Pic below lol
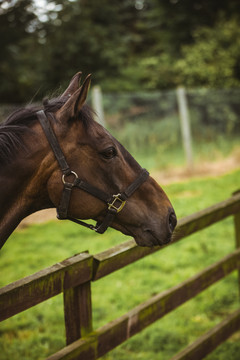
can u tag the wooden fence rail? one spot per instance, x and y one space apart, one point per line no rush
73 277
34 289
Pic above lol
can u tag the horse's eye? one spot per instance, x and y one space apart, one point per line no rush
109 153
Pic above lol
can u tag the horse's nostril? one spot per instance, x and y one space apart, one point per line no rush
172 221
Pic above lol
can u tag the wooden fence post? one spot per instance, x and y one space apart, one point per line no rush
97 104
237 236
77 312
185 125
78 303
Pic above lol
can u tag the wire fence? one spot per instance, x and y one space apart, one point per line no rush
211 111
149 123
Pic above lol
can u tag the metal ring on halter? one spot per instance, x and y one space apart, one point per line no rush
71 173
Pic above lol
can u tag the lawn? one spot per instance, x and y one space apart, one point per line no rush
39 332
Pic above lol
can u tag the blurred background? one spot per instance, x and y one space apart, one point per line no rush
166 83
139 52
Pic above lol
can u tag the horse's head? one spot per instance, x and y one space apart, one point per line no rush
96 157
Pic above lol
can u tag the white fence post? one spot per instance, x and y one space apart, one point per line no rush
185 125
97 104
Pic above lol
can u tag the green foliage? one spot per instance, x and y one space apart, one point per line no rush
38 332
127 45
18 50
93 38
213 60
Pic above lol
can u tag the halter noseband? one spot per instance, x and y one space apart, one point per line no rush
115 203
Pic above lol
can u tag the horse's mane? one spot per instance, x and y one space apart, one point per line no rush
20 121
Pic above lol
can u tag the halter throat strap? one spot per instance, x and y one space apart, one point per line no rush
115 203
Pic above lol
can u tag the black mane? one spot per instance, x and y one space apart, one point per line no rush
20 121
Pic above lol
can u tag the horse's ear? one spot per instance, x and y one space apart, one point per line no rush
82 96
76 101
73 86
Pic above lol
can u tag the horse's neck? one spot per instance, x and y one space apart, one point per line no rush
9 221
14 204
11 202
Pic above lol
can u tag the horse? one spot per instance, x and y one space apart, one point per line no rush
58 156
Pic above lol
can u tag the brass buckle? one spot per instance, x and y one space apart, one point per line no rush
115 207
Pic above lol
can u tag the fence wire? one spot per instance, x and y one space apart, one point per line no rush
148 123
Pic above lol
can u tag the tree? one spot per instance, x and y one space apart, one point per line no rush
214 59
169 50
18 49
127 45
91 36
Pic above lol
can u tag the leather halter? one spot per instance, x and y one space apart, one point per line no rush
115 203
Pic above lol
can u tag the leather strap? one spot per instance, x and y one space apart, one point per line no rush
62 209
53 142
135 185
115 203
101 227
100 194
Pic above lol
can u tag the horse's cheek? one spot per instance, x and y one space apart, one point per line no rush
85 206
55 188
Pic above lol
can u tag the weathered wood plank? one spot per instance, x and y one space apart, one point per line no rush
114 333
163 303
84 347
118 257
77 312
123 254
210 340
32 290
209 216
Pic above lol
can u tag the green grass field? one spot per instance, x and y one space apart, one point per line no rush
39 332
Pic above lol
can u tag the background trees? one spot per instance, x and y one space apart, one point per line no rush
127 45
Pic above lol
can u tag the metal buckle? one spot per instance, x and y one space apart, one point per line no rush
71 173
113 206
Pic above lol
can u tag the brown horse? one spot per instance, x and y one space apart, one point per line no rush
58 156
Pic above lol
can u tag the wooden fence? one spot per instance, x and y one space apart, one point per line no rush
73 277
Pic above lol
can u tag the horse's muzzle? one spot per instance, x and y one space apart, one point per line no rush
159 233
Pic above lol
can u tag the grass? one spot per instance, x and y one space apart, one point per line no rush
39 332
158 144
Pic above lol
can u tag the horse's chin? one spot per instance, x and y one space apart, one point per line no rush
143 237
149 239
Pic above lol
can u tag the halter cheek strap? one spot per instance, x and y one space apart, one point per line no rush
115 203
